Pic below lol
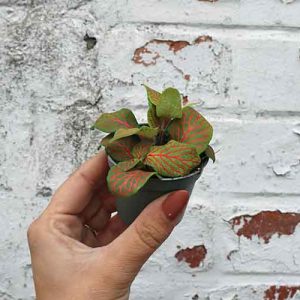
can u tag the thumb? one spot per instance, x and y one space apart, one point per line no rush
136 244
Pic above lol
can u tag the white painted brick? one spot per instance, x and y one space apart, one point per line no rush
246 81
222 12
237 70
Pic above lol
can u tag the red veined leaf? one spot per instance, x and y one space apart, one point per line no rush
124 132
128 164
153 96
106 140
120 150
173 159
141 149
210 153
153 119
124 184
169 105
192 128
111 122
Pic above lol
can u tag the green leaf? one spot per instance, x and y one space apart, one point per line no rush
170 104
111 122
120 150
153 120
128 164
192 129
124 184
153 96
142 132
124 132
210 153
141 149
173 159
147 132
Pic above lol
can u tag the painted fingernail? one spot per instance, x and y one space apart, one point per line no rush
175 203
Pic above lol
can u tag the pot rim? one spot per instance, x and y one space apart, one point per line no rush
197 171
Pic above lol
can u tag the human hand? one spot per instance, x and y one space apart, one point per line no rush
79 251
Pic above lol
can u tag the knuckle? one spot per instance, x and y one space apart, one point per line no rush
150 235
33 230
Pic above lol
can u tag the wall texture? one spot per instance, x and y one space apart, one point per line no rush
237 59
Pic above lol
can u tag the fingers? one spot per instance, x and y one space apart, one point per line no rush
75 194
113 229
101 199
148 231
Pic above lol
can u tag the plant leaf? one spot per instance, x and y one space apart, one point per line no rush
111 122
106 140
173 159
142 132
124 132
120 150
192 128
153 96
210 153
128 164
153 120
124 184
147 132
170 104
141 149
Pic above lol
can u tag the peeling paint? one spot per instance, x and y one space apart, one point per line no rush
281 292
192 256
265 224
296 129
174 46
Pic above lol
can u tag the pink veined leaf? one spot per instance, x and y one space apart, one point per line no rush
125 184
192 129
124 132
120 150
173 159
128 164
153 96
111 122
141 149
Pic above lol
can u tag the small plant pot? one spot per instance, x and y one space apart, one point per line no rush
130 207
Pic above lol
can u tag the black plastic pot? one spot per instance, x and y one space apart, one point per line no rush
130 207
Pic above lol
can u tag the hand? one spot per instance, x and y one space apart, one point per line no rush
79 251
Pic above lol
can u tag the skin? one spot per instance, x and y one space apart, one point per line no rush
72 261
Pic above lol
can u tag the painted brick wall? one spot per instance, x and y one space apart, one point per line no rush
239 60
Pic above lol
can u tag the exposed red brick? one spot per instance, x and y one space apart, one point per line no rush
265 224
187 77
203 38
174 46
192 256
138 59
281 292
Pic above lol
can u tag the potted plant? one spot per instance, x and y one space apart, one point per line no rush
149 160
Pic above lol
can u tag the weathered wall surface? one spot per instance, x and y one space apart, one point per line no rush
238 59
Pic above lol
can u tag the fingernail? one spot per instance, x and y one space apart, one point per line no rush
175 204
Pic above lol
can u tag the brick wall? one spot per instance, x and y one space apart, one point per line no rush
238 60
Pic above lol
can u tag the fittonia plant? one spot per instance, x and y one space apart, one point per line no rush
172 144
